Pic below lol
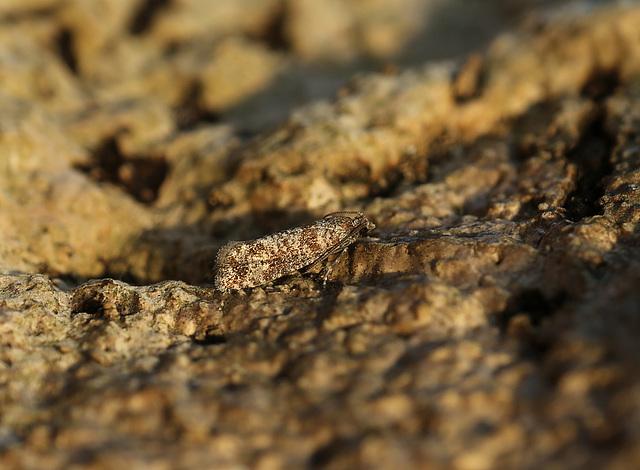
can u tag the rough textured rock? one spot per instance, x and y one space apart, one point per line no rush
490 321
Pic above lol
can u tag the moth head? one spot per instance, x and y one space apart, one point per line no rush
364 224
358 220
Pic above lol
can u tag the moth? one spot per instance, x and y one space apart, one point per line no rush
252 263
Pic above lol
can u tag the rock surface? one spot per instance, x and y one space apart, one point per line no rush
490 321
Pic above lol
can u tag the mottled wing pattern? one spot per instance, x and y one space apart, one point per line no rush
257 262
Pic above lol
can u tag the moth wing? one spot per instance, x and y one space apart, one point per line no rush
226 252
235 254
233 269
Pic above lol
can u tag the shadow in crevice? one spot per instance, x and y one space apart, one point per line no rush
143 18
592 155
66 49
141 177
274 32
191 113
601 84
533 303
553 167
344 449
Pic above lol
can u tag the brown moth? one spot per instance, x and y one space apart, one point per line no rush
256 262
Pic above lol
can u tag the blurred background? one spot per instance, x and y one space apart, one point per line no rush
246 62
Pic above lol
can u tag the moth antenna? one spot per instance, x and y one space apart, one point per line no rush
331 214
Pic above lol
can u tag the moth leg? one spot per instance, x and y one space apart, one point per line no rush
330 266
340 247
333 250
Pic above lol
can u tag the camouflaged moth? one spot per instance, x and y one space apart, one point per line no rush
252 263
